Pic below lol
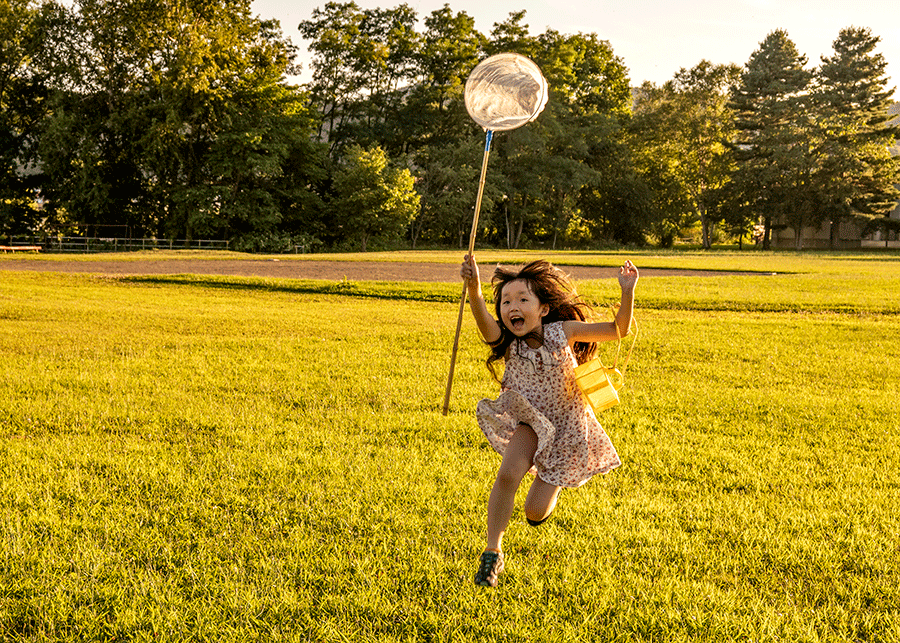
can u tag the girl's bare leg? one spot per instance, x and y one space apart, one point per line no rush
515 464
541 500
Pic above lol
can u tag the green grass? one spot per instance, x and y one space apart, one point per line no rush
199 458
719 259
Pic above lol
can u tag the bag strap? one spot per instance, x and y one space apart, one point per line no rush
619 343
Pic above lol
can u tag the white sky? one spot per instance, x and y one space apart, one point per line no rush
656 38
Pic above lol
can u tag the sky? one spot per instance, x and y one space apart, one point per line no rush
655 38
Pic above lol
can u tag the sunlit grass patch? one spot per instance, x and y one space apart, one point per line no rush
227 459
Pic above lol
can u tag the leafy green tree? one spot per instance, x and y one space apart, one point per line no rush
88 140
618 205
221 121
684 128
299 190
540 172
373 200
171 118
335 85
268 126
562 171
512 35
425 119
590 103
362 62
389 66
450 48
434 113
657 139
549 166
23 104
447 181
584 74
517 160
580 149
857 176
772 139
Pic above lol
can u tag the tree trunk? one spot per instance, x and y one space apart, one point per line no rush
518 234
508 229
415 228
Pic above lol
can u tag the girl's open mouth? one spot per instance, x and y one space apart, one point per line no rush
517 322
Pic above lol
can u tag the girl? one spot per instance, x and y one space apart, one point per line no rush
540 422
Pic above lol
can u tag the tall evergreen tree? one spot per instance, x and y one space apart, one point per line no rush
771 140
858 174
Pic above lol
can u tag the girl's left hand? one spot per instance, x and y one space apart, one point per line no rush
628 276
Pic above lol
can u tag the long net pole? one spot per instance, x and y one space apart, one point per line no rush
462 300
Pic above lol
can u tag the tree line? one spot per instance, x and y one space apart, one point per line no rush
175 119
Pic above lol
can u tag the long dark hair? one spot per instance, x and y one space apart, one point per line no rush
552 287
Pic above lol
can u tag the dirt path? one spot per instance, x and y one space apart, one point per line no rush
300 269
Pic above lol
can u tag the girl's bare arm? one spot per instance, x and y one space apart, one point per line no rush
577 331
487 325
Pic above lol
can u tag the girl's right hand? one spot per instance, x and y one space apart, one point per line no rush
469 270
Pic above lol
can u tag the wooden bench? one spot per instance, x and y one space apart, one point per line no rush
22 248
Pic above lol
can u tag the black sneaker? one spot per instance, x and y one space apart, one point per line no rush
491 566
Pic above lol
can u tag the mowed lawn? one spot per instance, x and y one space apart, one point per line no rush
225 459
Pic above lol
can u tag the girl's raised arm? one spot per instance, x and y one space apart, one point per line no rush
577 331
487 325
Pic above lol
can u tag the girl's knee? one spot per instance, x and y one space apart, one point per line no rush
541 502
518 456
537 514
510 477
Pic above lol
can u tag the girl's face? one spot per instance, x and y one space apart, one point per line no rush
520 310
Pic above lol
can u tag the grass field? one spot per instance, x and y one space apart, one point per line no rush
199 458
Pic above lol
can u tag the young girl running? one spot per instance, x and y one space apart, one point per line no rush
540 423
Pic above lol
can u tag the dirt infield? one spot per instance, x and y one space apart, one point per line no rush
302 269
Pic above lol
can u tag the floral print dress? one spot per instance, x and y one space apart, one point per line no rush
538 389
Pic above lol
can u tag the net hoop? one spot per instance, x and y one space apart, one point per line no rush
505 91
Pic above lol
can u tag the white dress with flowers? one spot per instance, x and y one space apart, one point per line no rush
538 389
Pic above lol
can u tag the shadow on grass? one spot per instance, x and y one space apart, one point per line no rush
449 292
396 290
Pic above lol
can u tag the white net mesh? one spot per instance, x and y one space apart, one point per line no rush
505 91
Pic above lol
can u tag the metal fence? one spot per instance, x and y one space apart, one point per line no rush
115 244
